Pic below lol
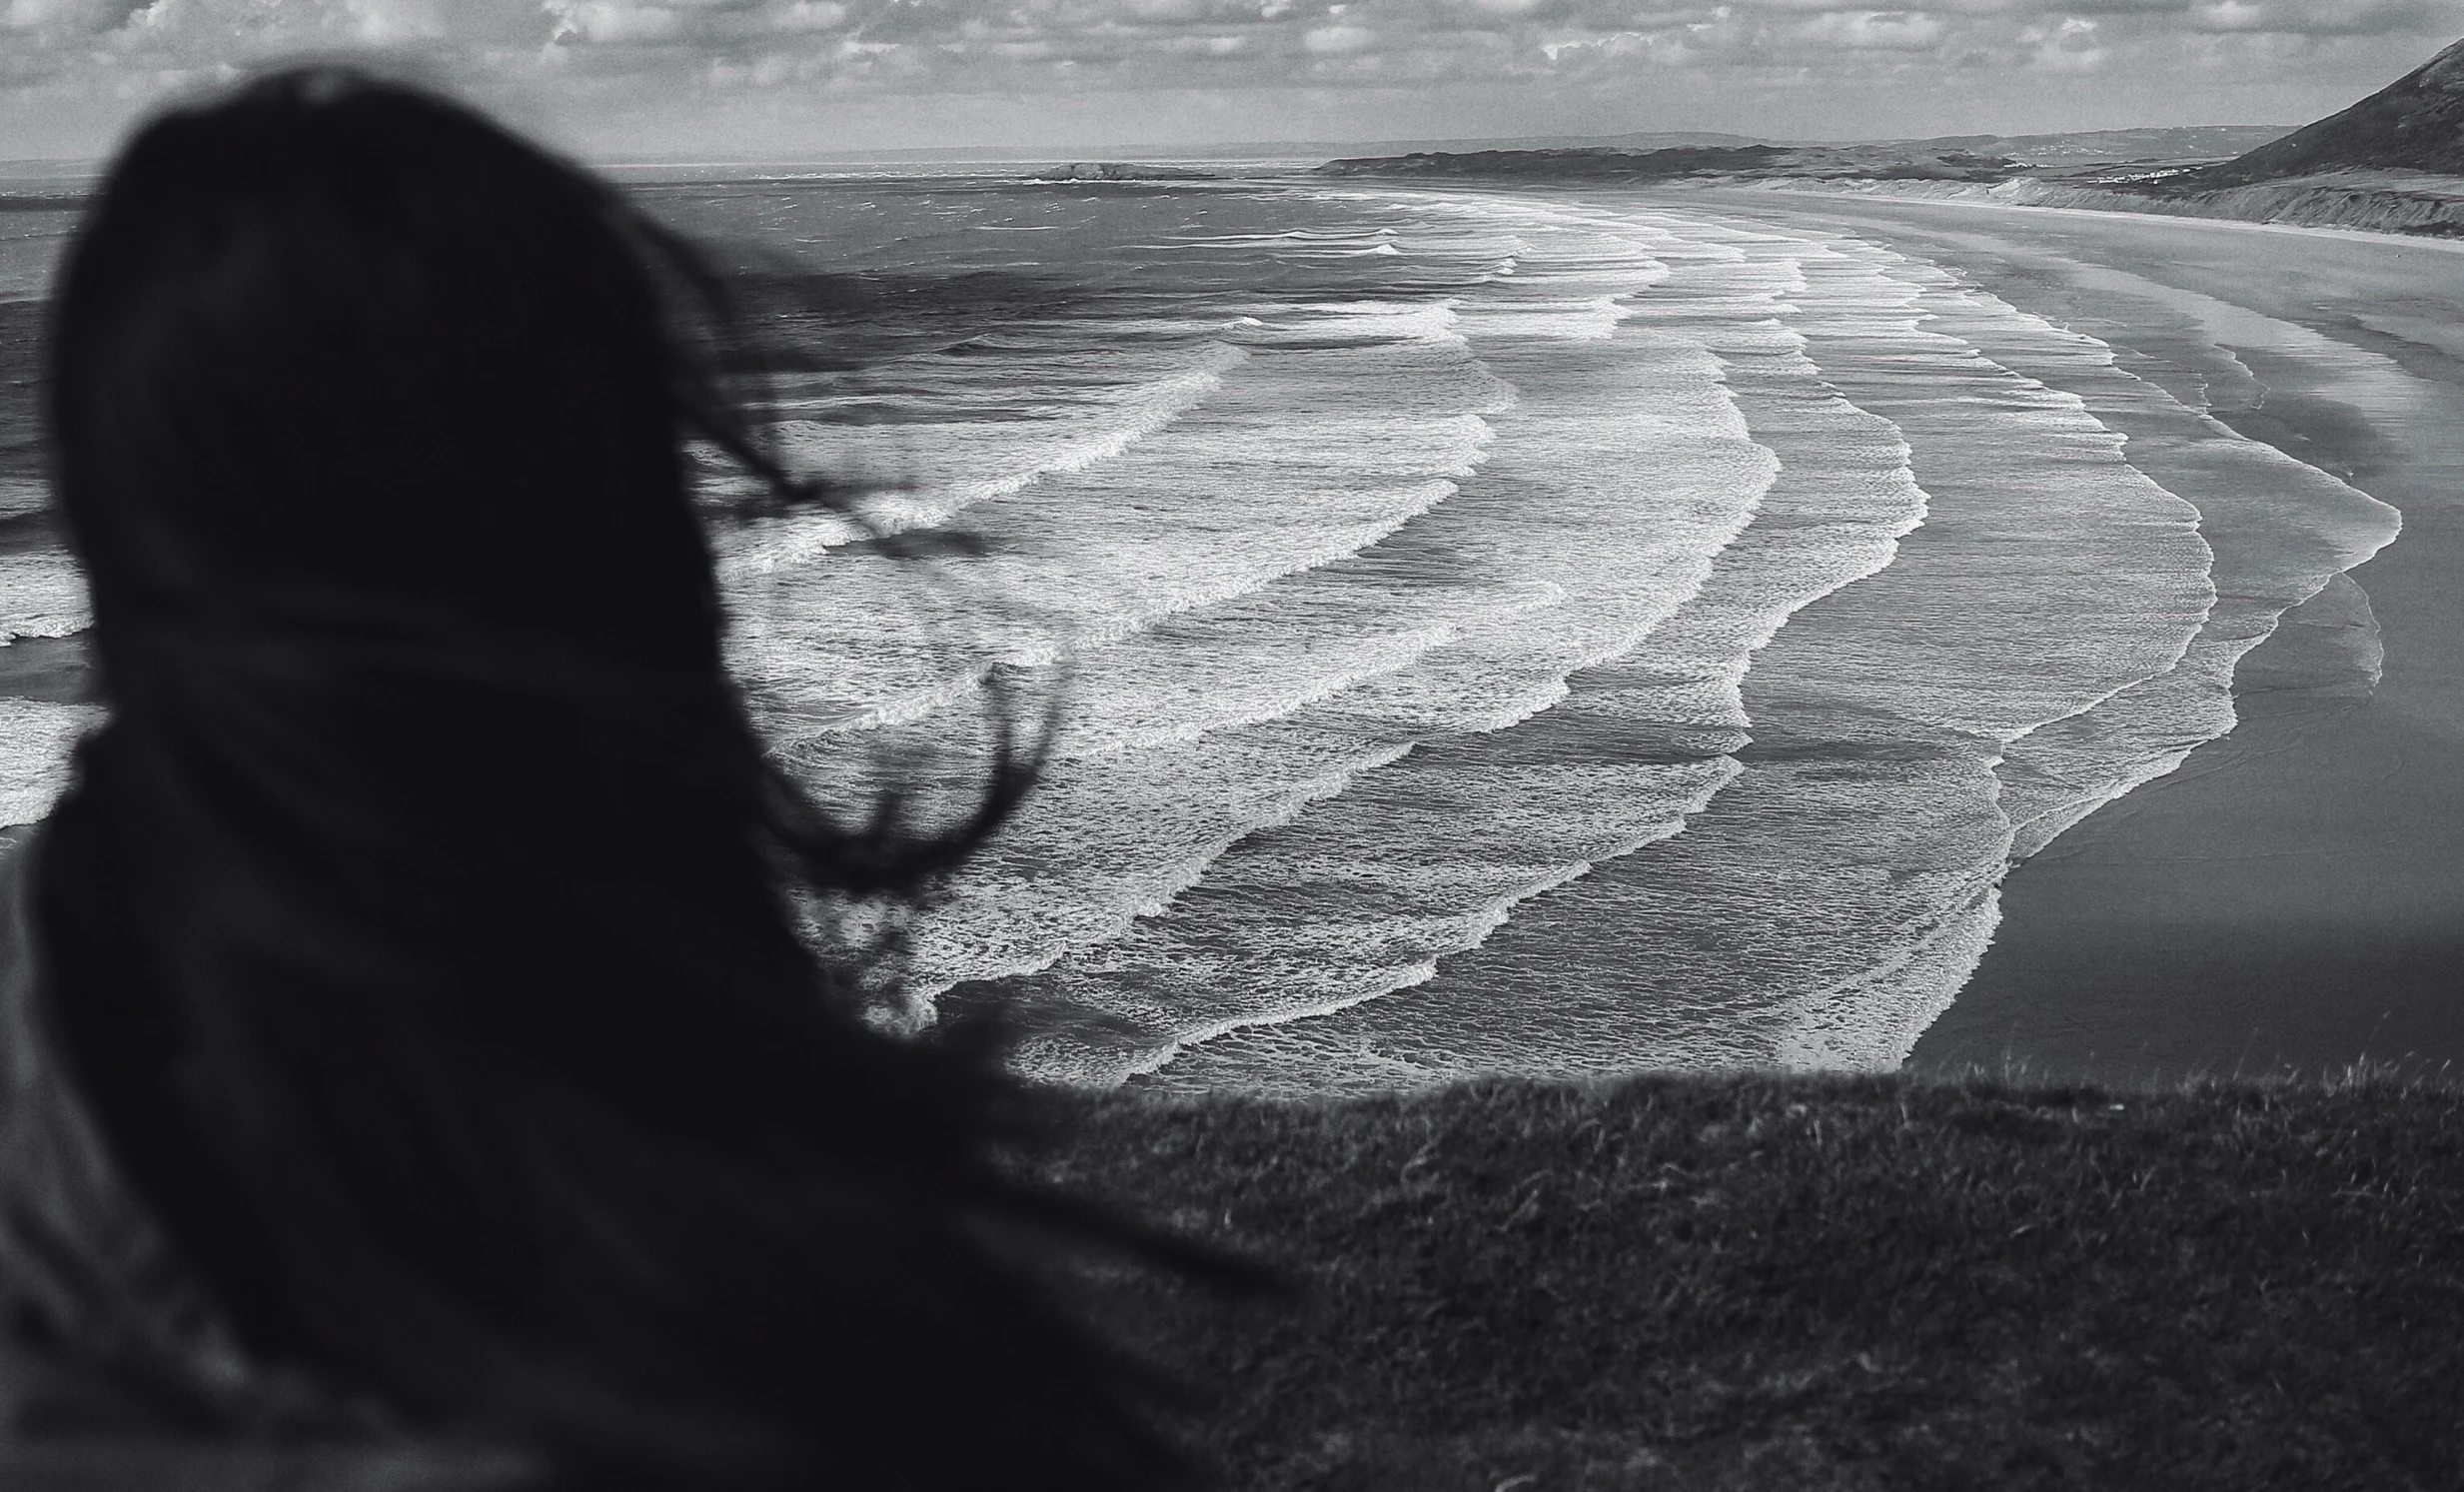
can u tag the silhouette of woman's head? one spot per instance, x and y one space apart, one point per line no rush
332 350
423 923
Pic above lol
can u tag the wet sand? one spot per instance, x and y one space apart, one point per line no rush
2293 897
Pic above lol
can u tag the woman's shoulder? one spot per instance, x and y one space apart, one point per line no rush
142 1465
83 1268
116 1372
71 1429
89 1285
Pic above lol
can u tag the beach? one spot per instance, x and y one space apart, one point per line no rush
2292 897
1565 632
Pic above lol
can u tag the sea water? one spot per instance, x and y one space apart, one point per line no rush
1474 631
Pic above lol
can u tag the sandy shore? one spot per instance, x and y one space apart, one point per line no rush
2293 897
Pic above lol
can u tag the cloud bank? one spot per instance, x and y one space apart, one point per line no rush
778 75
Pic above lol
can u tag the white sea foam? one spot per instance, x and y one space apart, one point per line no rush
1864 832
2280 531
953 466
1820 527
1614 479
42 595
1401 919
1345 421
1327 816
35 738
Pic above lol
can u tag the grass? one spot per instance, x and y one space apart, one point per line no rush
1790 1282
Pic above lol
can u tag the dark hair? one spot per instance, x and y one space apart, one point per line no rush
423 921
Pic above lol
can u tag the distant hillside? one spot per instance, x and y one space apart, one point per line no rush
2200 143
1227 150
1747 161
2393 163
2197 142
2209 142
2079 147
1592 162
1950 158
1648 140
2415 124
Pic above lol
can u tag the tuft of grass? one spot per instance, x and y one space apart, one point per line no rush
1772 1282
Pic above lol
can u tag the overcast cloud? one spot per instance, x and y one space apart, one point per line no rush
772 77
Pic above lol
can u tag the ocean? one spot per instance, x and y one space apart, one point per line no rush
1478 631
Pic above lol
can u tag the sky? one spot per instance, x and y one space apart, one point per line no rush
778 79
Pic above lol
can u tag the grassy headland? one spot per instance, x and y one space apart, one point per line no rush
1790 1282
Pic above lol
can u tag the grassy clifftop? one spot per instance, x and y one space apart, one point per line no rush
1817 1283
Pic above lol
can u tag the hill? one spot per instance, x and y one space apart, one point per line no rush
2413 124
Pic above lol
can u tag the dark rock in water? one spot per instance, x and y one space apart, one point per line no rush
2416 124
